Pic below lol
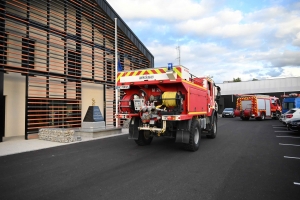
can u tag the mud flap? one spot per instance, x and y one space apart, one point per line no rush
183 131
133 128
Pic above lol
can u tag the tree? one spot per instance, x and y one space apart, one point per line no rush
238 79
254 79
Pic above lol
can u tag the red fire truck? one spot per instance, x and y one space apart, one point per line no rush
168 102
259 107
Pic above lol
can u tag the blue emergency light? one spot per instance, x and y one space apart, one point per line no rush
170 66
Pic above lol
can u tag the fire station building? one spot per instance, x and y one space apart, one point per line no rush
55 57
273 87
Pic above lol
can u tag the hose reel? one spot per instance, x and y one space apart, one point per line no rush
169 99
172 99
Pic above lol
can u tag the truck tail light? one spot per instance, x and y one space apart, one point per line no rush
173 118
289 115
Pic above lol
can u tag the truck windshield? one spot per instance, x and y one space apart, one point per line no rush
288 105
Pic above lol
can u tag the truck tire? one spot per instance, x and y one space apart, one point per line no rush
213 130
144 138
195 135
262 117
245 118
278 114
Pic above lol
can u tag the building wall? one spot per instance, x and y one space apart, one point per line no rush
66 51
261 86
229 101
272 87
14 92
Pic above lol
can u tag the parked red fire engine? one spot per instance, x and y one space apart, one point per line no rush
259 107
168 102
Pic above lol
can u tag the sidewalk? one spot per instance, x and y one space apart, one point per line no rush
17 144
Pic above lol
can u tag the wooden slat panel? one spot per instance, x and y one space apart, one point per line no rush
58 47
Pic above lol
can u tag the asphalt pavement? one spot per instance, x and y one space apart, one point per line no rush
247 160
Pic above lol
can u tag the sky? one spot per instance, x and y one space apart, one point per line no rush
223 39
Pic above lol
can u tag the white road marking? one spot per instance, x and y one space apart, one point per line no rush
279 127
283 131
290 144
296 183
291 157
289 137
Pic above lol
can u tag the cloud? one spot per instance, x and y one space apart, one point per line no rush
282 23
223 39
296 41
169 10
277 58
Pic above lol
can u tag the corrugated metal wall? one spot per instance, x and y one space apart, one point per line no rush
261 86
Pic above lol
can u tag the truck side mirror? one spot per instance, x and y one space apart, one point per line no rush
218 93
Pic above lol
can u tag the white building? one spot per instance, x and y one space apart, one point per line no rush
273 87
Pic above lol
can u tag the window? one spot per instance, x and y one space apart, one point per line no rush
3 49
74 64
288 105
109 72
28 53
71 63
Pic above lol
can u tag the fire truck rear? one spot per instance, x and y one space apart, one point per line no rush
259 107
168 102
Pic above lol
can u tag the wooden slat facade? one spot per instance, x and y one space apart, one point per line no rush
57 45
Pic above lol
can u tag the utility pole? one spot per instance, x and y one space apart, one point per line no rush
178 48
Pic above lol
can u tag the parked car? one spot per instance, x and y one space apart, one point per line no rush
293 124
228 112
291 114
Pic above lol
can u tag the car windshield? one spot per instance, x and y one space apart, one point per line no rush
228 109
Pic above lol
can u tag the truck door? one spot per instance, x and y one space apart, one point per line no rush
246 104
197 100
268 107
210 96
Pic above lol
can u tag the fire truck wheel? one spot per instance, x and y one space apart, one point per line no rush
144 138
278 114
213 131
195 135
263 116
